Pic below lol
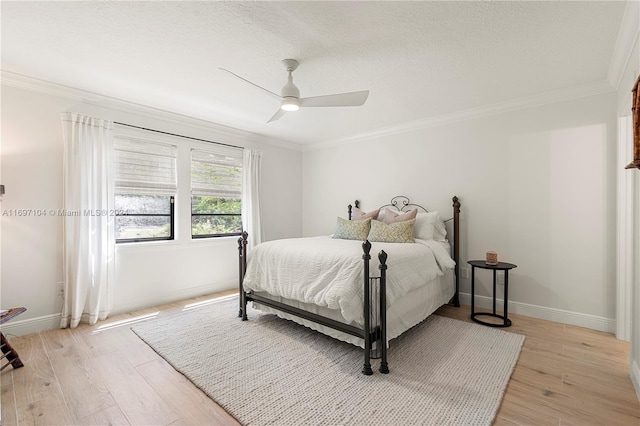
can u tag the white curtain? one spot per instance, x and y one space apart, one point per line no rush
89 225
251 164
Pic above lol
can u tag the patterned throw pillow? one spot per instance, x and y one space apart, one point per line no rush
398 232
352 229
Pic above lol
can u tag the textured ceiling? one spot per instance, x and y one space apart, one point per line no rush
418 59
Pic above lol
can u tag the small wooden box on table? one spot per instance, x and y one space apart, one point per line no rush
500 266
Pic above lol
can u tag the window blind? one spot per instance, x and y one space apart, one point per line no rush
143 167
216 174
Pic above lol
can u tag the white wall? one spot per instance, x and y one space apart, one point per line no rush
536 185
146 274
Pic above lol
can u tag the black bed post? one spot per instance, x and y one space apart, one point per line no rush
384 367
366 369
456 248
242 261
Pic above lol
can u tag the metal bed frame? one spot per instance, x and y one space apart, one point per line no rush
374 332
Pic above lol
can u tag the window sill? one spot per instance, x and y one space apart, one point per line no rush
174 244
210 239
147 244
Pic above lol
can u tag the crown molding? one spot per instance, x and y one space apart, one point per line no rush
20 81
628 35
555 96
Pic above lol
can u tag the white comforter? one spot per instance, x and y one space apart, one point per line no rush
329 272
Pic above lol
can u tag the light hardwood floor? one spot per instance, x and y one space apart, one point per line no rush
104 374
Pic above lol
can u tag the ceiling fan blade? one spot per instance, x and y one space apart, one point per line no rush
253 84
340 99
279 113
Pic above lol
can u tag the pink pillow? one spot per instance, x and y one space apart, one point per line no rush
393 217
360 215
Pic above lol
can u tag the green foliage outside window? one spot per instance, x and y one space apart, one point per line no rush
215 216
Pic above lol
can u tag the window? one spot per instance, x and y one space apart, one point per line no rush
145 189
216 193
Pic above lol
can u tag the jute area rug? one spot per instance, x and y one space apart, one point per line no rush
270 371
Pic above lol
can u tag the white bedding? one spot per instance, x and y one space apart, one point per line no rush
406 312
328 272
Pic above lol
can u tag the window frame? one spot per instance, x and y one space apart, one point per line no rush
192 214
139 147
172 222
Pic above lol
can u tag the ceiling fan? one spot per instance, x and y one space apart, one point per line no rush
290 99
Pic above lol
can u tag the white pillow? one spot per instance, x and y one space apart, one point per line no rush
430 226
383 213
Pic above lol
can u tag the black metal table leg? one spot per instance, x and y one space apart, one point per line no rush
500 266
494 292
507 321
473 290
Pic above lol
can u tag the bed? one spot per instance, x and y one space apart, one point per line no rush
333 285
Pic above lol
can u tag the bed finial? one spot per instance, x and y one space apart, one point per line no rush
242 239
382 257
350 208
456 204
366 248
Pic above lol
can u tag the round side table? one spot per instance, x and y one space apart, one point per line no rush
501 266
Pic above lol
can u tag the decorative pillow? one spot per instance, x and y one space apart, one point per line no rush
398 232
392 217
430 226
358 214
386 211
352 229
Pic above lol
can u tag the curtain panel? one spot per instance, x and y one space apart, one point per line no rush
251 217
89 225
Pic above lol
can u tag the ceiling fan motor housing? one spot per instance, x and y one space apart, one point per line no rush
290 90
290 95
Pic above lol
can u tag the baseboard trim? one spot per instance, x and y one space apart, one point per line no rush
172 296
593 322
48 322
31 325
635 377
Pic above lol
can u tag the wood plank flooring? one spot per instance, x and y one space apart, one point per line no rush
105 375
